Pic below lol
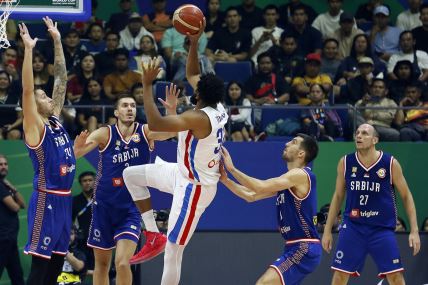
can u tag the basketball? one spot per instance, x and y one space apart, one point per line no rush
186 19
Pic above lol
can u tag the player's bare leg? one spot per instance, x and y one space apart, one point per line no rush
340 278
102 266
124 251
270 277
395 278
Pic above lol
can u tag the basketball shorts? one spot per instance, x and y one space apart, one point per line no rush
297 261
49 224
109 224
357 240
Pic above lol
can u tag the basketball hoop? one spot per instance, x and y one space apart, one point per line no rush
6 7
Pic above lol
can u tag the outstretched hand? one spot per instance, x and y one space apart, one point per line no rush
52 28
171 95
26 38
150 71
80 140
194 38
227 159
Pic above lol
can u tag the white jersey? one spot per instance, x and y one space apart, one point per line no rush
198 159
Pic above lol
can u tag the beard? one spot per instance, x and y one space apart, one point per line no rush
3 175
193 99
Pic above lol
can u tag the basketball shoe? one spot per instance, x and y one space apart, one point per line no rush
155 245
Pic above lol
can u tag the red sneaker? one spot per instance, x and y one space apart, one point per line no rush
155 245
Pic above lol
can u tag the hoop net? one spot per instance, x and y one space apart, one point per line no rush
6 8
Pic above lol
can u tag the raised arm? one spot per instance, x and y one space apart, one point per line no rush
60 71
193 73
85 142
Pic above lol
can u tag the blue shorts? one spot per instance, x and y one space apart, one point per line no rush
49 224
109 224
357 240
297 261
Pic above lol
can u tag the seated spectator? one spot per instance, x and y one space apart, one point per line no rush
146 52
118 21
285 12
134 31
364 14
105 59
266 87
384 38
309 39
424 227
349 66
9 62
121 80
77 81
328 22
380 119
413 122
322 216
251 15
180 60
92 118
345 34
286 61
311 76
159 20
82 27
323 124
410 18
421 33
73 51
404 72
418 58
137 92
11 118
240 127
400 225
96 43
214 18
42 79
266 36
231 43
330 58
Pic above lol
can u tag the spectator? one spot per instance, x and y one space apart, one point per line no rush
11 202
214 18
82 213
286 61
404 73
410 19
92 118
119 21
96 43
264 37
285 12
322 219
323 124
384 38
11 118
73 51
418 58
380 119
311 76
42 79
328 22
421 33
158 21
161 218
82 27
146 52
137 92
120 81
130 36
240 127
345 34
79 79
309 39
424 227
401 225
9 62
413 122
105 59
231 43
364 14
266 87
251 15
330 58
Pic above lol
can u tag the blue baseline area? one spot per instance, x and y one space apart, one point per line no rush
228 212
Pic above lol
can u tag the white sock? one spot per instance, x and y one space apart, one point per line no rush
172 264
149 221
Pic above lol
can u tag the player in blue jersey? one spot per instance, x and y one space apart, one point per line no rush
51 152
296 203
115 218
367 178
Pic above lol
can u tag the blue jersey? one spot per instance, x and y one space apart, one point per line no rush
114 158
53 160
370 196
297 217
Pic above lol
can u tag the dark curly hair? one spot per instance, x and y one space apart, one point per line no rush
210 89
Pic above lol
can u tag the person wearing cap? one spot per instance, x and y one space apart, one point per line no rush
312 75
384 38
345 33
159 20
328 22
421 33
418 58
410 19
130 36
364 14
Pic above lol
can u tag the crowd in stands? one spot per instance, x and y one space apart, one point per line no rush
375 70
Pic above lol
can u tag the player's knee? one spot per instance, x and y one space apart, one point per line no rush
102 266
122 264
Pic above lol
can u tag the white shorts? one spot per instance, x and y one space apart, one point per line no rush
189 200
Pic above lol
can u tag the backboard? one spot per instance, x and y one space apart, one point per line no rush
58 10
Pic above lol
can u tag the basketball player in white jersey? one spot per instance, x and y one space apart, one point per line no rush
193 179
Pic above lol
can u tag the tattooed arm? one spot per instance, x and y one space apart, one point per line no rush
60 71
